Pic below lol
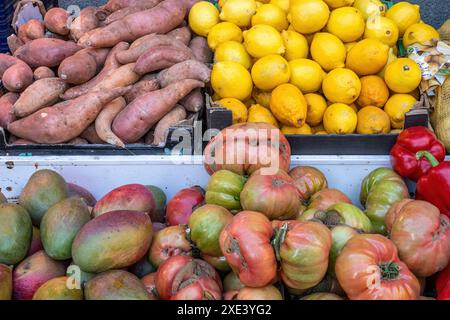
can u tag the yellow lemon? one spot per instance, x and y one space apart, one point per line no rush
419 32
368 56
262 97
372 120
282 4
346 23
402 75
237 108
391 57
316 108
353 106
374 92
321 132
370 7
202 17
383 29
231 80
288 105
262 40
349 46
233 51
308 16
339 118
304 129
341 85
221 3
222 32
318 128
296 45
404 14
239 12
270 71
396 107
271 15
215 97
257 113
338 3
306 74
328 50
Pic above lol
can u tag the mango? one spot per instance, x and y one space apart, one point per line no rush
36 243
78 277
113 240
15 233
57 289
135 197
5 282
159 214
115 285
78 191
44 189
33 272
3 198
60 225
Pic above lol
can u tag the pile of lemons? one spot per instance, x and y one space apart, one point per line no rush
313 66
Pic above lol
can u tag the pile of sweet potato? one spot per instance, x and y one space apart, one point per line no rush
121 73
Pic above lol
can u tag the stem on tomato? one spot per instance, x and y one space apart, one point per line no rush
425 154
389 270
280 234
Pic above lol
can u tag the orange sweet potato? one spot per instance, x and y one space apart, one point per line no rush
159 58
56 20
121 13
105 119
46 52
82 66
145 85
14 43
31 30
189 69
59 124
86 21
139 116
182 34
6 105
177 114
200 48
194 101
14 73
91 135
121 77
114 5
43 72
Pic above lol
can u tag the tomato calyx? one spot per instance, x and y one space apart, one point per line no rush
332 219
278 239
389 270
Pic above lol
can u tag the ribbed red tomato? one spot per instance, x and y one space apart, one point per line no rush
181 206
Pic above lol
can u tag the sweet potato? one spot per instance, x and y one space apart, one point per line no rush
17 77
138 117
82 66
141 45
56 20
161 19
105 119
31 30
41 93
43 72
59 124
121 77
160 58
182 34
6 105
120 14
21 142
91 135
14 43
78 141
114 5
86 21
177 114
142 87
46 52
111 64
200 48
149 136
194 101
189 69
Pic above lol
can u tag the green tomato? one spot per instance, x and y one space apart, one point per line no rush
224 189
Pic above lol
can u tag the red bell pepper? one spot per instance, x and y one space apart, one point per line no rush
434 186
409 142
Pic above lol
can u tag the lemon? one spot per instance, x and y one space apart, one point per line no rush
339 118
404 14
231 80
396 107
202 17
383 29
316 108
237 108
296 45
328 50
341 85
304 129
308 16
221 3
374 92
239 12
262 97
288 105
321 132
349 45
402 75
270 71
262 40
419 32
353 106
257 113
318 128
224 31
271 15
367 57
346 23
339 3
370 7
215 97
372 120
306 74
391 57
282 4
233 51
